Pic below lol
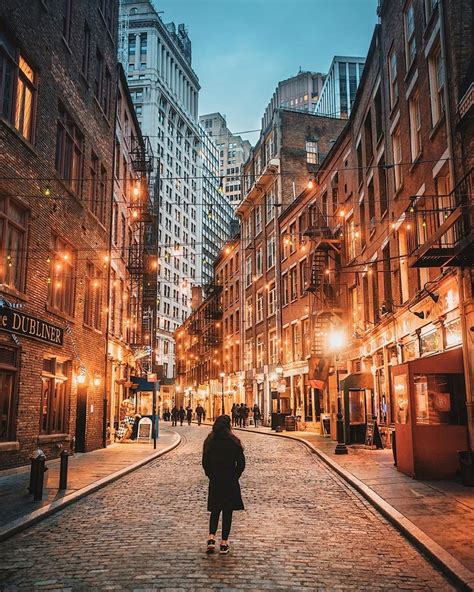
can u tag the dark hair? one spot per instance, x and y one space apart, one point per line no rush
221 430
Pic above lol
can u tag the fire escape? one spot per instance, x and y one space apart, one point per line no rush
442 228
142 258
329 297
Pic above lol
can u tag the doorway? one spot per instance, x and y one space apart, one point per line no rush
81 416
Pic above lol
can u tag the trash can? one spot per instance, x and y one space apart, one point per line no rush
278 420
466 463
290 423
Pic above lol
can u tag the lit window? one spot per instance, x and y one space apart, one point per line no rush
410 41
312 152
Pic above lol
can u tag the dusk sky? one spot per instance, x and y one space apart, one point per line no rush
243 48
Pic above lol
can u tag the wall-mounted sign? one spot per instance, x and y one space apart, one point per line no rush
20 323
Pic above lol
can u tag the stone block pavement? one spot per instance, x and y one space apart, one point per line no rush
304 529
86 470
443 510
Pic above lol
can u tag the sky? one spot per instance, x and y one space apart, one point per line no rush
243 48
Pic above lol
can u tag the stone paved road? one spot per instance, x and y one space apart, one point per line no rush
303 529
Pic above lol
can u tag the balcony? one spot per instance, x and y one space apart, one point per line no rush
213 313
211 339
440 232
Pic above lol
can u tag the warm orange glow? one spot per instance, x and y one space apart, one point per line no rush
310 184
342 213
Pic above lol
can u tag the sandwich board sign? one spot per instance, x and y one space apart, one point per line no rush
144 429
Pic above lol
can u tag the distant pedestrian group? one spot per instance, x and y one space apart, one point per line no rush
240 415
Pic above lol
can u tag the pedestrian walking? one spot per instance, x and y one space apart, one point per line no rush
199 413
223 461
234 414
189 414
246 416
174 416
256 414
181 415
241 411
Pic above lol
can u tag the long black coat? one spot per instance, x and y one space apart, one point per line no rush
224 462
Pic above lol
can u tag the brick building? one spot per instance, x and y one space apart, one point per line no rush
133 264
286 157
57 103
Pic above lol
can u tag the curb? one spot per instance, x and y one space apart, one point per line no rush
25 522
448 565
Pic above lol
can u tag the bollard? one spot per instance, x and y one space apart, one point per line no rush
40 470
63 470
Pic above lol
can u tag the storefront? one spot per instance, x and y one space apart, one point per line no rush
359 405
431 419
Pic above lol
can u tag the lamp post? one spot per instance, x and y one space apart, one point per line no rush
222 375
336 341
277 423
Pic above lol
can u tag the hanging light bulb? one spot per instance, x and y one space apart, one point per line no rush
46 191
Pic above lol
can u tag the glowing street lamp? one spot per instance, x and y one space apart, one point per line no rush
222 375
336 341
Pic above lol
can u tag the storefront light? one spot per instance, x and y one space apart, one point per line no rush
336 339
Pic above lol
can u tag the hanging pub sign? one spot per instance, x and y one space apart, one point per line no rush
20 323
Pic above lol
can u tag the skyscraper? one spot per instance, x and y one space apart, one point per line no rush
339 90
164 88
194 217
233 152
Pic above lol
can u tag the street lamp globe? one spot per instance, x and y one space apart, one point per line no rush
336 339
279 369
222 375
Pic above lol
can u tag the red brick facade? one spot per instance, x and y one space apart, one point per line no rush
55 185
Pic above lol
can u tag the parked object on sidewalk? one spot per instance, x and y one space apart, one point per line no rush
223 461
38 469
466 462
290 423
63 470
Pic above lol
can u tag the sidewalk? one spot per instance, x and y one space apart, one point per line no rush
87 472
443 511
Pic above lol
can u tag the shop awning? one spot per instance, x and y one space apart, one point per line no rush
357 380
143 384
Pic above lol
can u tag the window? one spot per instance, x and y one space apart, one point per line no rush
294 283
293 237
93 297
271 300
97 189
296 341
248 313
106 8
13 234
360 169
410 41
247 231
436 69
248 271
397 158
258 220
285 291
54 380
69 151
259 262
369 146
248 358
271 252
99 76
371 200
17 89
352 236
305 338
8 373
440 399
259 307
106 100
270 205
362 223
311 152
303 277
392 72
67 20
260 350
62 277
430 7
382 187
387 276
86 50
272 348
415 126
378 115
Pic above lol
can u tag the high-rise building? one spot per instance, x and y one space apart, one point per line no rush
214 208
164 88
194 218
340 87
233 152
301 92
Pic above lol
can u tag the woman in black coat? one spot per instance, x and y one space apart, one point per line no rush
223 461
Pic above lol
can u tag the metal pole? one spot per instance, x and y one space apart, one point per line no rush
154 415
223 406
341 447
63 470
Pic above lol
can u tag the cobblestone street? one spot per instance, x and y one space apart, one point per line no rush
303 529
